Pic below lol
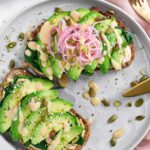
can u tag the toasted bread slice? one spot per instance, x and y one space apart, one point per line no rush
20 71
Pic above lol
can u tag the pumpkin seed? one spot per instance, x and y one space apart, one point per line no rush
11 45
119 133
11 64
21 36
99 18
112 119
143 78
139 102
92 92
117 103
106 103
113 141
58 10
134 83
129 104
111 12
139 118
68 22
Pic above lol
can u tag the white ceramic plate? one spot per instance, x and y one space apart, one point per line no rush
110 88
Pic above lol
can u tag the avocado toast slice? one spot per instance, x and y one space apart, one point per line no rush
42 119
75 57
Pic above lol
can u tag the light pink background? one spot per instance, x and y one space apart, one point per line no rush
124 4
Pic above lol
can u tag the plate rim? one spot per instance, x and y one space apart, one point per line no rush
33 4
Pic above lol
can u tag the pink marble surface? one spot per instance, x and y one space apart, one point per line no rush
125 5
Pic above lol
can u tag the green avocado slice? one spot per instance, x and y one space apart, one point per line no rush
67 137
25 110
57 16
52 106
74 72
57 69
89 18
90 68
54 122
11 102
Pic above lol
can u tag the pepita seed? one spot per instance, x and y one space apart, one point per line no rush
129 104
68 22
106 103
58 10
92 92
113 141
134 83
11 64
139 118
111 12
11 45
117 103
86 95
139 102
21 36
143 78
112 119
119 133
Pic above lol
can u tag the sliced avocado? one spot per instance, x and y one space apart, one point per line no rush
104 68
25 110
90 68
74 72
57 16
54 122
12 101
30 123
116 59
57 69
111 37
67 137
82 11
54 37
44 61
89 18
103 25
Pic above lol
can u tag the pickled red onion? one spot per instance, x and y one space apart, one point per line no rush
82 38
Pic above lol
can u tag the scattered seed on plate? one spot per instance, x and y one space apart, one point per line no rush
139 118
117 103
11 45
86 95
113 141
95 101
112 118
21 36
11 64
119 133
92 92
106 103
93 85
63 81
139 102
129 104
